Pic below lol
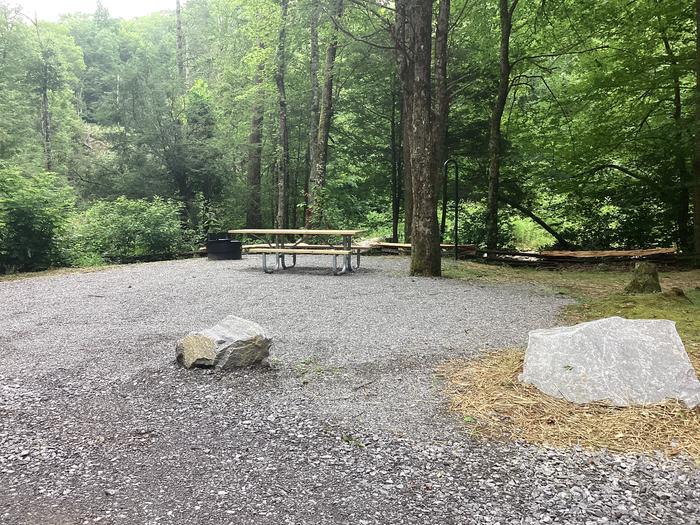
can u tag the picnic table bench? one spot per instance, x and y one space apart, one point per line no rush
275 242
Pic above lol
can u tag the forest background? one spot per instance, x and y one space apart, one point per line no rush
573 124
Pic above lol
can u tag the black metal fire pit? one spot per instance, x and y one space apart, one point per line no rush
221 247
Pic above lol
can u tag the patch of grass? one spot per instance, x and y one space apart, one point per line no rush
685 313
310 368
495 405
600 294
54 272
582 284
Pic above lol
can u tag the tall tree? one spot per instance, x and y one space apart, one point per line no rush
314 109
506 10
425 235
253 207
283 157
442 102
696 159
180 43
403 37
319 164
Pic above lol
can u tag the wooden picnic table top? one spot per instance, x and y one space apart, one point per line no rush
273 231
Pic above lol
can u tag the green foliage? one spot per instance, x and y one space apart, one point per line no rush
34 211
595 141
125 229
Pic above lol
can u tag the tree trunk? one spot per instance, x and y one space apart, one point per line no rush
253 209
406 136
313 124
442 100
696 158
395 173
443 218
403 36
282 219
46 119
318 168
528 213
442 104
506 17
425 236
681 199
180 43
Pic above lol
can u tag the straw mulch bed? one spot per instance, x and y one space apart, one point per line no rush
495 405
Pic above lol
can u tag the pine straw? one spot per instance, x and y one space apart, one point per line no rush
495 405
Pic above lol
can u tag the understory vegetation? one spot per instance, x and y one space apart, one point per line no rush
573 124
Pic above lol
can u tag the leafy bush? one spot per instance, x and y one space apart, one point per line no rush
34 211
126 229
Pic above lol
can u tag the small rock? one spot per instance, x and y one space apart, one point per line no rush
234 342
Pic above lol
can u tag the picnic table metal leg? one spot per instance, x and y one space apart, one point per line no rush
347 245
264 264
344 269
294 262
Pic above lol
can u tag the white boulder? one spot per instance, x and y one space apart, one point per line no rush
618 361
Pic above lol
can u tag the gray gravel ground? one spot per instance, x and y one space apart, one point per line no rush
97 424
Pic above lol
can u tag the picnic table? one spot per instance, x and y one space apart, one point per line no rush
277 242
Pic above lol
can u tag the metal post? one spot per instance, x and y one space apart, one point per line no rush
456 168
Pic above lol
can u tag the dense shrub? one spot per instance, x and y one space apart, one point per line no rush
34 211
125 229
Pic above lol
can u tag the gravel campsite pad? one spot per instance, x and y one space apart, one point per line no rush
98 424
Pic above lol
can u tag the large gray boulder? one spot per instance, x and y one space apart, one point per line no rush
233 342
618 361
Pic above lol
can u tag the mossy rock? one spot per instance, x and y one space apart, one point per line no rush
645 280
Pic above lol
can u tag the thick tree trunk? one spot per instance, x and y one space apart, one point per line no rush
696 158
315 103
282 219
318 169
253 209
425 236
403 36
506 17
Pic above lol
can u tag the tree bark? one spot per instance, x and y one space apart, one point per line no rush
395 172
442 104
696 158
282 218
319 168
425 236
403 36
253 209
442 99
313 123
506 18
